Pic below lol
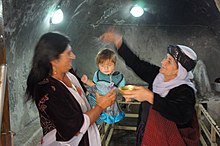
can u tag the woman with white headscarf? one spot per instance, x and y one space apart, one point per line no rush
167 114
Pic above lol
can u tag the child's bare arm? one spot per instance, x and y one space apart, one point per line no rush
87 81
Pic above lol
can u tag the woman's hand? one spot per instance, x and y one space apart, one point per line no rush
107 100
139 93
112 37
102 102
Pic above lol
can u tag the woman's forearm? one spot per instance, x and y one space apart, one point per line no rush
94 113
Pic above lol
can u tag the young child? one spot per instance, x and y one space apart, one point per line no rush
104 79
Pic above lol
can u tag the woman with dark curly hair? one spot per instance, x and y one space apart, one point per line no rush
65 114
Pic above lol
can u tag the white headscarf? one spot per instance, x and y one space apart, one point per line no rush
183 77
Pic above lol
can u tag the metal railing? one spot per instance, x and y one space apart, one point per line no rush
208 128
106 132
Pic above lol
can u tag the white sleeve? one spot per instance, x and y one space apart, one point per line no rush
85 125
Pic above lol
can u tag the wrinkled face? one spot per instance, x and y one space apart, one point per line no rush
64 63
169 68
107 67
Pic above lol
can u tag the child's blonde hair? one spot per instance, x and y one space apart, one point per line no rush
106 54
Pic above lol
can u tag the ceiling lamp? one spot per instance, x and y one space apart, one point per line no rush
57 16
137 11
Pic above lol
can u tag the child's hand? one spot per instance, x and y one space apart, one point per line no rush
84 79
87 81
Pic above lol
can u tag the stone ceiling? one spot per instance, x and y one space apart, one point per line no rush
157 12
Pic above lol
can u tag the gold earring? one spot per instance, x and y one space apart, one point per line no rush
54 71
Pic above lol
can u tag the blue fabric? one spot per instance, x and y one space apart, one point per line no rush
117 78
103 84
107 116
111 119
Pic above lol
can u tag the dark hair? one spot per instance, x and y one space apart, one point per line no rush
48 48
106 54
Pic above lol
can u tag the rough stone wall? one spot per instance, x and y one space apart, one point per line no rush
150 43
201 79
26 20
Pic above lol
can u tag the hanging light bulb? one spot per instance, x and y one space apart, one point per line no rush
137 11
57 16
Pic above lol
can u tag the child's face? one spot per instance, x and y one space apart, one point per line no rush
106 67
